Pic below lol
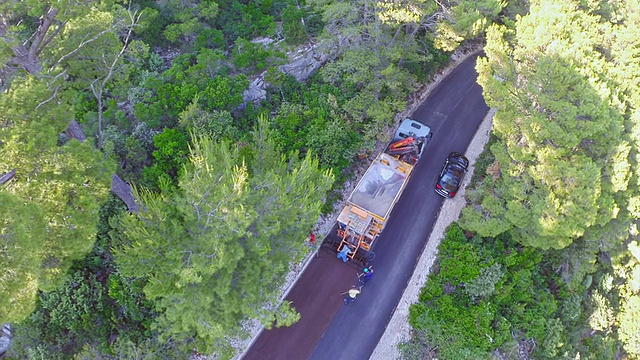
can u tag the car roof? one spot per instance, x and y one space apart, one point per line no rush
457 155
410 127
459 159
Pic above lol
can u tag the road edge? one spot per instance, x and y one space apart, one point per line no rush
398 329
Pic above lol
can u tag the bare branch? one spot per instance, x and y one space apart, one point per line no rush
80 46
55 92
51 36
134 17
40 34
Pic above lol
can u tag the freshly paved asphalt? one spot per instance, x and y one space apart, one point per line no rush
453 110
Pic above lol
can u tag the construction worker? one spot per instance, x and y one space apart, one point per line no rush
366 275
351 294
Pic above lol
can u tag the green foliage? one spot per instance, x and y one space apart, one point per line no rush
162 98
379 84
571 310
213 253
334 143
416 348
22 237
484 160
629 326
209 38
459 260
562 151
603 316
468 20
151 24
374 64
58 187
187 19
217 125
311 118
534 301
137 152
65 319
293 28
484 284
44 34
171 152
71 306
255 56
485 290
246 19
285 316
92 308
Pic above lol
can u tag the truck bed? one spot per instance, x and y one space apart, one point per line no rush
381 185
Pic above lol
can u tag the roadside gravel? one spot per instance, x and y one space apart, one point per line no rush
398 329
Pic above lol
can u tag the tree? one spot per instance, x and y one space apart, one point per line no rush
562 148
109 65
293 27
33 31
485 283
217 124
629 310
465 19
188 18
58 187
201 74
170 154
373 40
215 251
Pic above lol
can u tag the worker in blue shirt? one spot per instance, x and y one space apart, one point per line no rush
366 275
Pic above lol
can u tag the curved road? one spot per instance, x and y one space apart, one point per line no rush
329 330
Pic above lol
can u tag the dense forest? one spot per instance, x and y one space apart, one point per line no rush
545 260
227 183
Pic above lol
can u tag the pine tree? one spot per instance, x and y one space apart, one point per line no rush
215 251
563 151
56 191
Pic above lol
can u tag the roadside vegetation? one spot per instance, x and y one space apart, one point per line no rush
544 262
228 189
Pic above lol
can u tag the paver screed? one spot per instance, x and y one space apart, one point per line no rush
317 297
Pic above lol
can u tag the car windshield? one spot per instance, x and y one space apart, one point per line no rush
451 178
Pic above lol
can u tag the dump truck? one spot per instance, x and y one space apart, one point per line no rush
368 207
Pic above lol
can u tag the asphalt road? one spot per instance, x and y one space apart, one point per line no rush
454 110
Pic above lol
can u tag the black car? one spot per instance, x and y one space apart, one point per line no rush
451 175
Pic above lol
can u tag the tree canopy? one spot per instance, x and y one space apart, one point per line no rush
222 241
56 191
564 151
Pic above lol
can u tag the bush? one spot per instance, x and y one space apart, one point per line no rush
484 284
292 27
171 152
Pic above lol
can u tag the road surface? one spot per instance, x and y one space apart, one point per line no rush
330 330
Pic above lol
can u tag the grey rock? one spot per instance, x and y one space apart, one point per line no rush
257 90
304 62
